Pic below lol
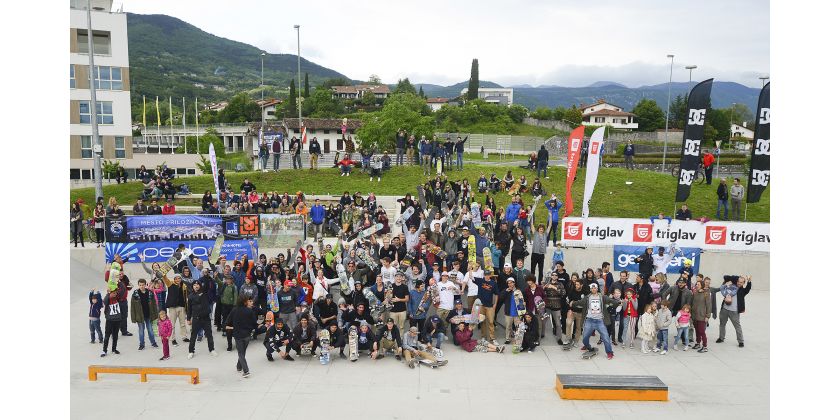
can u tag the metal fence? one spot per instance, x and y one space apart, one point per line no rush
497 143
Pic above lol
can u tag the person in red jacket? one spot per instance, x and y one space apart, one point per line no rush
346 165
168 208
708 163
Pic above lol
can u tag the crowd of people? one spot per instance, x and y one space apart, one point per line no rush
412 284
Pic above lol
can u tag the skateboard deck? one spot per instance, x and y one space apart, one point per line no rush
409 258
217 249
342 278
389 294
372 299
520 302
421 197
488 258
475 209
567 346
421 307
475 314
518 336
435 292
371 230
539 305
429 363
408 213
324 338
434 249
471 249
590 353
353 337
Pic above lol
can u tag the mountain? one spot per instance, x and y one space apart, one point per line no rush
603 84
170 57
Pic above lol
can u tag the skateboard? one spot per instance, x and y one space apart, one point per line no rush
476 315
371 230
353 337
421 197
518 336
421 308
389 293
471 249
372 299
520 302
342 278
324 338
568 346
434 249
488 258
475 209
367 259
409 258
164 267
429 363
589 353
539 305
435 292
217 249
408 213
438 354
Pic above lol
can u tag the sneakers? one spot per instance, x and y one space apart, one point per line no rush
506 341
583 348
104 353
186 340
342 355
664 352
719 340
644 350
200 338
164 358
154 345
631 345
289 358
141 347
500 349
685 348
230 349
92 341
411 363
442 362
496 343
740 344
398 357
174 342
128 334
696 346
213 353
609 356
702 350
246 374
268 356
115 351
190 355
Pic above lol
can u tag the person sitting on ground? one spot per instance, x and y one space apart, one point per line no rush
346 165
463 338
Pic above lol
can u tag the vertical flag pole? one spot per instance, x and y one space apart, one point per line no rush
145 143
196 125
157 110
184 118
171 130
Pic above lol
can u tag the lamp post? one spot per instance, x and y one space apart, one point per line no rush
668 113
300 112
262 88
764 80
690 68
96 142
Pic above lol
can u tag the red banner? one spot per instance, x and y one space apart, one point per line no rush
575 143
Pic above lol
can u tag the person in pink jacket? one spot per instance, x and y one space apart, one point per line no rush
165 331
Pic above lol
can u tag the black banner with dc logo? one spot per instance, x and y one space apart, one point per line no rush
760 157
695 122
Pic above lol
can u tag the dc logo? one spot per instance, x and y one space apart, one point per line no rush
764 116
692 147
696 116
232 228
575 145
116 229
686 177
762 147
760 177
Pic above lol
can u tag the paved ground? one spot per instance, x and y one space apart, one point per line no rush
726 382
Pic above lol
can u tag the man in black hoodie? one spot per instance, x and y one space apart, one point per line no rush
304 336
337 339
645 262
542 162
278 338
327 311
198 316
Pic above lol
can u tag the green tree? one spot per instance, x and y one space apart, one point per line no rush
322 104
559 113
472 88
241 108
400 110
368 98
306 85
573 115
740 113
210 136
374 80
335 82
650 116
679 112
291 104
517 113
719 120
421 93
405 86
542 113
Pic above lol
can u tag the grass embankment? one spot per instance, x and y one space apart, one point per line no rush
649 193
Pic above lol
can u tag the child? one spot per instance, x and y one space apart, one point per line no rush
165 331
160 293
94 313
631 314
113 317
663 321
618 317
647 327
683 321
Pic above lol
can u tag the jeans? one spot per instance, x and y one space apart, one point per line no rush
264 160
542 166
725 205
201 325
241 348
296 162
143 327
538 260
590 325
276 161
628 162
459 161
708 172
553 232
557 322
427 165
736 209
345 169
438 337
662 339
400 155
682 332
95 327
735 317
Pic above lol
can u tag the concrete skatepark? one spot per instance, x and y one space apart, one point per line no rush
727 382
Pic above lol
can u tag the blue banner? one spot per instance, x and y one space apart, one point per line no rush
176 227
623 256
160 251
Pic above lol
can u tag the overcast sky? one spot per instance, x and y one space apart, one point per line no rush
536 42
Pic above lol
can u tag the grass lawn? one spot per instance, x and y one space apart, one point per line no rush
649 194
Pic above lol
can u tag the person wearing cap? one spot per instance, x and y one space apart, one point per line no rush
488 291
357 316
645 262
388 340
507 300
278 338
176 302
366 340
555 304
446 291
327 311
414 349
435 330
593 308
688 269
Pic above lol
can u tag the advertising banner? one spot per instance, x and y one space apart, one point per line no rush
734 236
160 251
243 226
173 227
624 255
760 159
695 123
215 169
575 143
593 162
281 231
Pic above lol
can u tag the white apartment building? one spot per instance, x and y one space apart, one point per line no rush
605 113
501 96
110 54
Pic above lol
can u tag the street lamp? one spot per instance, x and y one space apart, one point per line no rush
764 80
96 141
300 112
690 68
262 87
668 113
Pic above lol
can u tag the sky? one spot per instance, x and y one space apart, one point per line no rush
535 42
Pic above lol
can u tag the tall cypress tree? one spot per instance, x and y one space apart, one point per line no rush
422 95
306 85
292 104
472 89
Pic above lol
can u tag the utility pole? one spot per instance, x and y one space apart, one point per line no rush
668 113
300 112
94 126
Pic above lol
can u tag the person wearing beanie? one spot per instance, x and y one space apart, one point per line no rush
327 310
278 338
337 339
389 340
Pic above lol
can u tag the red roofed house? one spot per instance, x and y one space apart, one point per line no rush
604 113
357 91
436 103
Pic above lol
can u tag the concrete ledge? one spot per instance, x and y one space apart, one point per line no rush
611 387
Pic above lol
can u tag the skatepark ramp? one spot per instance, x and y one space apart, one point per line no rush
611 387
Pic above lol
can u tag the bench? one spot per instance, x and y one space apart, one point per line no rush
94 370
611 387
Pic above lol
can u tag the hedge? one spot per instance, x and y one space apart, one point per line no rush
670 160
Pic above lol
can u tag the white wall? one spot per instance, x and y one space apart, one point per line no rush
116 24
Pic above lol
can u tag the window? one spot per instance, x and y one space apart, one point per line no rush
104 112
119 147
326 131
75 174
72 76
87 147
108 78
101 42
599 119
86 174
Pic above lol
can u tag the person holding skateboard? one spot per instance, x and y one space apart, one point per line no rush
593 306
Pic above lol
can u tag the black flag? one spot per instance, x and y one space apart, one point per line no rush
760 158
695 121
